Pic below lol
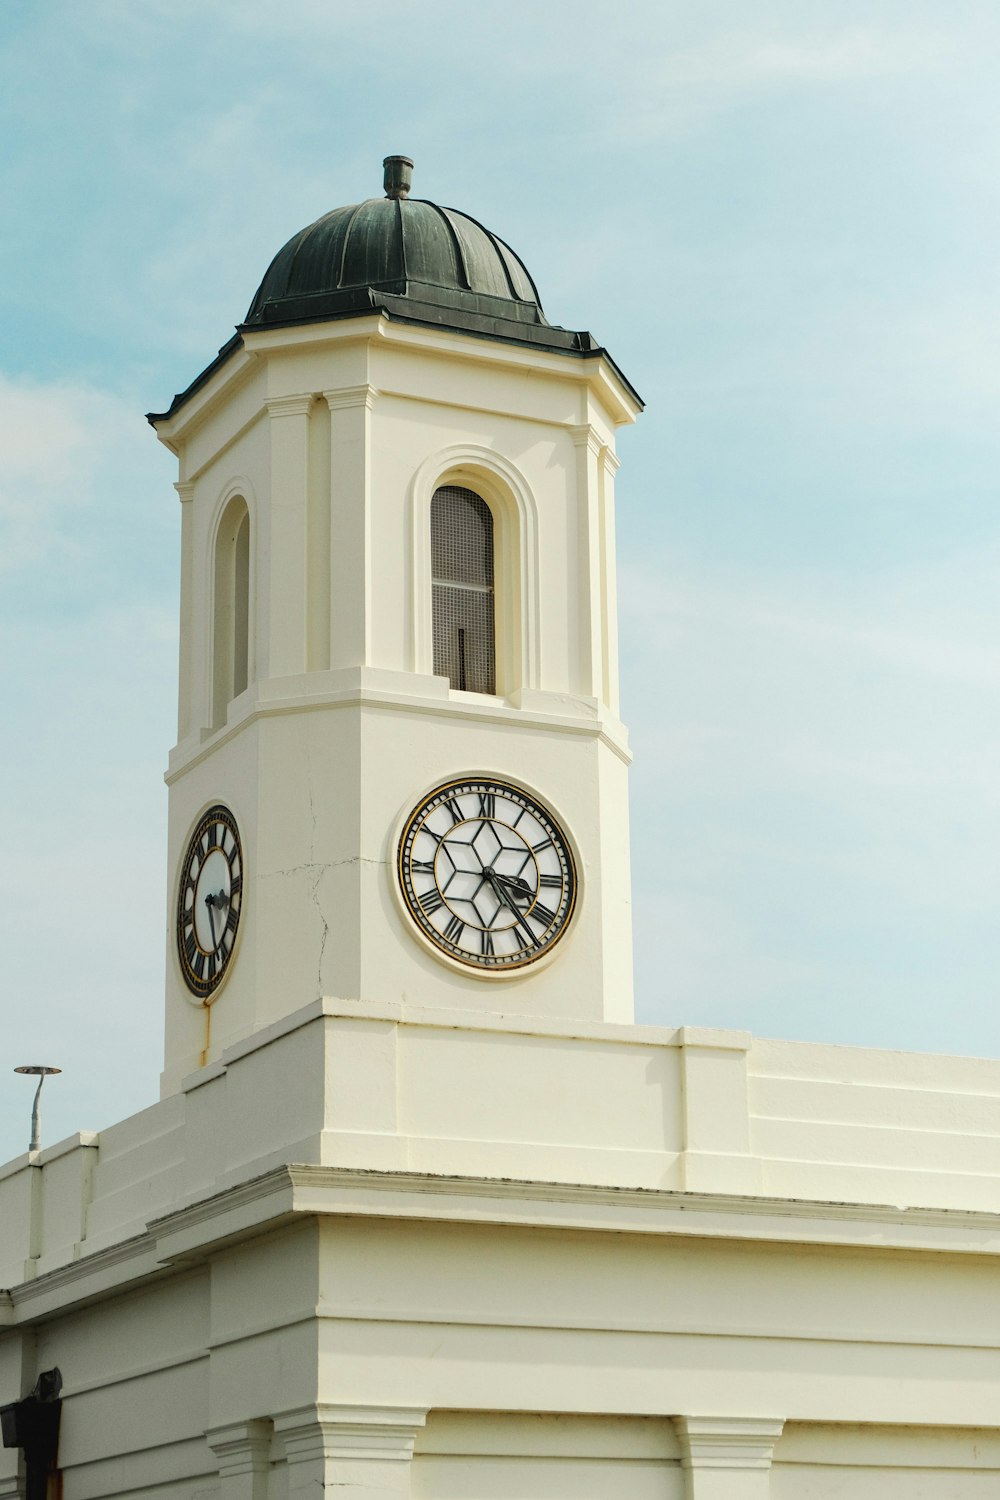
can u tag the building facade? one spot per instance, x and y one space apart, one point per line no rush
421 1211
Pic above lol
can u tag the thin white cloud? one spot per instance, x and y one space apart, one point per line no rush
66 448
860 52
815 765
682 85
934 621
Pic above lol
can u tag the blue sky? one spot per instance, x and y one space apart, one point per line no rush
782 219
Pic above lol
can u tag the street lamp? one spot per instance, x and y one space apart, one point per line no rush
41 1074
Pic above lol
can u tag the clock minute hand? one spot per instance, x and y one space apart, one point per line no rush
210 903
500 893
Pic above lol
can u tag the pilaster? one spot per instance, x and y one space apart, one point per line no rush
243 1452
289 513
185 715
589 469
363 1452
609 466
350 525
716 1112
727 1458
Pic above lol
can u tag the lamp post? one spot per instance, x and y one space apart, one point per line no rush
41 1074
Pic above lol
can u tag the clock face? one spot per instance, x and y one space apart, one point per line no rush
209 901
487 874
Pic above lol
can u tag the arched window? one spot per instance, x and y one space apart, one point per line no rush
462 589
231 641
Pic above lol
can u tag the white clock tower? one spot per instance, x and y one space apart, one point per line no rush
415 1218
400 773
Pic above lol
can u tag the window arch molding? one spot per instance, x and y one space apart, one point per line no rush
515 538
230 646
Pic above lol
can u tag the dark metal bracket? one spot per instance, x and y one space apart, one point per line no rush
33 1425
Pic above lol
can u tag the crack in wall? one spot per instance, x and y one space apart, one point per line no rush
333 864
314 893
312 805
315 872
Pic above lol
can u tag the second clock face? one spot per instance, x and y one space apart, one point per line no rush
209 901
487 874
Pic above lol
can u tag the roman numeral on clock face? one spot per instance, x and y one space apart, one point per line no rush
454 930
540 913
524 932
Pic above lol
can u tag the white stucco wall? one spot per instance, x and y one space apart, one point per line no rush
394 1088
492 1231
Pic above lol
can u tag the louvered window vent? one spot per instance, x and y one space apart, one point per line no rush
462 577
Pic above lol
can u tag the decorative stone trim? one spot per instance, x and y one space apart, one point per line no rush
240 1447
351 395
289 406
586 437
727 1442
361 1433
243 1453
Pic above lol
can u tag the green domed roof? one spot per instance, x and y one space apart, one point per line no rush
409 260
400 247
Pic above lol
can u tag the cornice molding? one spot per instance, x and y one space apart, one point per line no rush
132 1259
592 368
192 1233
217 387
296 1190
743 1205
608 731
275 1185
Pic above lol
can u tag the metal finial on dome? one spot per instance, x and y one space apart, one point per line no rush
398 176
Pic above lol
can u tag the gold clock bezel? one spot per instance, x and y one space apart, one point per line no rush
483 965
201 978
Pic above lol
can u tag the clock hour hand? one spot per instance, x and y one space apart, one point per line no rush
517 885
502 896
213 902
500 893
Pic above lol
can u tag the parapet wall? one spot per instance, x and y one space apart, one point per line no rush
390 1089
